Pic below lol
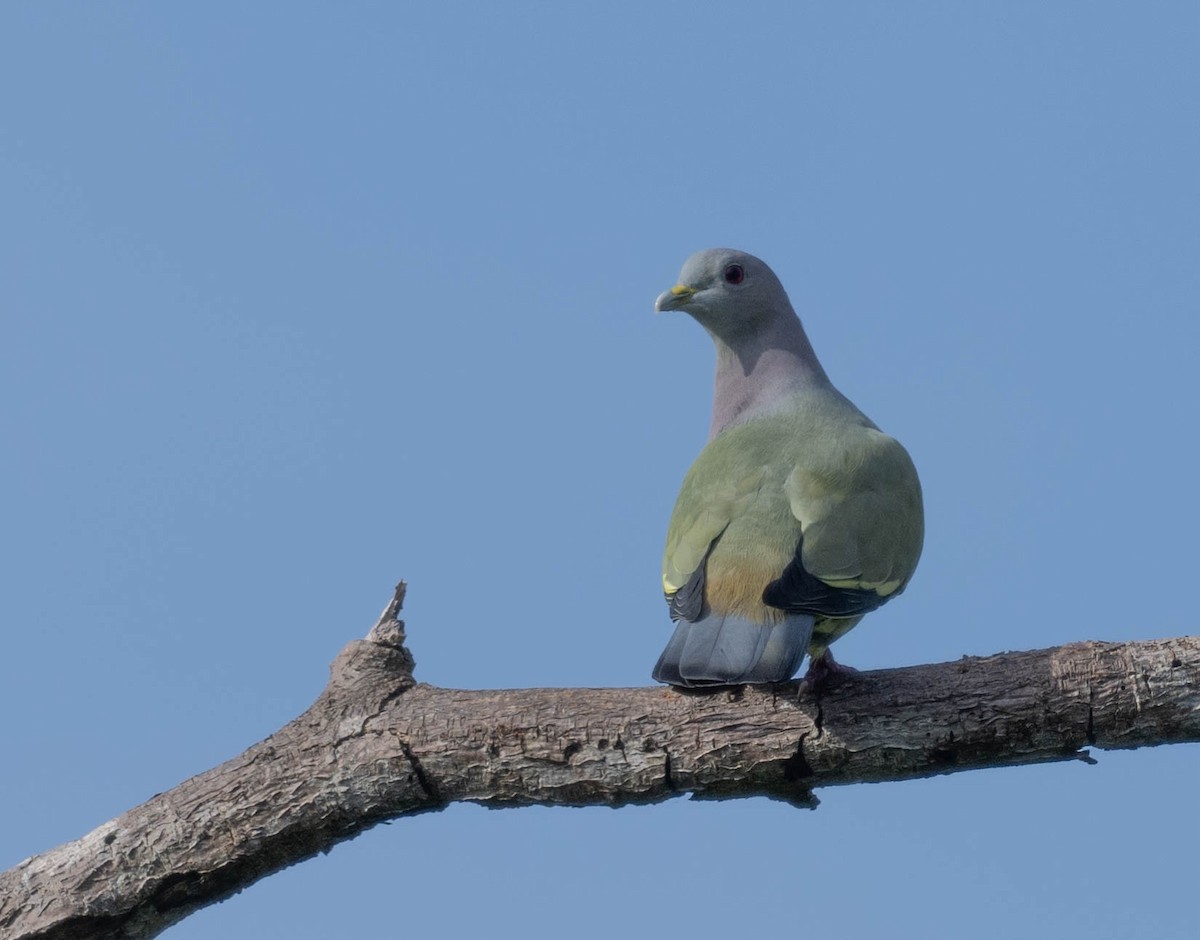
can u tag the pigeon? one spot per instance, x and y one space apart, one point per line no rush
799 516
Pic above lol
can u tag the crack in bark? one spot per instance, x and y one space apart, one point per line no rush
667 778
796 768
426 785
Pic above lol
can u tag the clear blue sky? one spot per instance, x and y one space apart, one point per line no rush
299 299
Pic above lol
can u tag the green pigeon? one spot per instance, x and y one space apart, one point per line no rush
798 517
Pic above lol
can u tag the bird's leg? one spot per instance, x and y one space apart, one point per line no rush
825 669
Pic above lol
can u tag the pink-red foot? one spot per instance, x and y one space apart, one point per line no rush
825 669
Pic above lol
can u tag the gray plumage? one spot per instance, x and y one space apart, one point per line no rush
726 650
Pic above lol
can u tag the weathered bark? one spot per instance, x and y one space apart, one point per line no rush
377 745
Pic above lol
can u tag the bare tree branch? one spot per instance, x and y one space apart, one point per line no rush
377 745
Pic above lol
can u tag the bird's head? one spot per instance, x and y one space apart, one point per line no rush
729 292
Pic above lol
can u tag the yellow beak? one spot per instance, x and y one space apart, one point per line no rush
674 299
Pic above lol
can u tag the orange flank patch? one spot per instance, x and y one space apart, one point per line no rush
732 588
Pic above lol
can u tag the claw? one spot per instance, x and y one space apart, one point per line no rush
825 670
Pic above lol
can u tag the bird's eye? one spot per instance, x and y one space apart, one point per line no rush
734 274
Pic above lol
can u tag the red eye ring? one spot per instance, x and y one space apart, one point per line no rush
735 274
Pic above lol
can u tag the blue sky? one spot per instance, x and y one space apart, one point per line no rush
300 299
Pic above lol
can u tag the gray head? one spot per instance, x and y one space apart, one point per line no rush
730 293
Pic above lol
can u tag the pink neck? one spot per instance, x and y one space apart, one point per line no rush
756 371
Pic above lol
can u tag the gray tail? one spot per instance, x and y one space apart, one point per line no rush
728 650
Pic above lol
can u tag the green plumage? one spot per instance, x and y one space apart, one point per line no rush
812 473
